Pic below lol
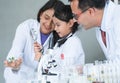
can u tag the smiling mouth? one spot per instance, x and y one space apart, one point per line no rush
48 28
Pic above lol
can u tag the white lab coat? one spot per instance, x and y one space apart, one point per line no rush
69 54
111 25
23 47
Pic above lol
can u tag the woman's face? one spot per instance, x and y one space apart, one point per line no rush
46 21
62 28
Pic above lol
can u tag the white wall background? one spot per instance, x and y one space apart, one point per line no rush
13 12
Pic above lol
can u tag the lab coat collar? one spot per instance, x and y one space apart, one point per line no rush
107 16
38 31
62 40
39 35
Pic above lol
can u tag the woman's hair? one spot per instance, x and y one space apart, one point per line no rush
64 13
51 4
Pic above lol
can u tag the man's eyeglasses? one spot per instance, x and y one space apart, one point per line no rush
76 16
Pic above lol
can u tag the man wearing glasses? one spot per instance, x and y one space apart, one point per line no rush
105 16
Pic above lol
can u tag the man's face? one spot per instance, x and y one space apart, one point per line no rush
82 17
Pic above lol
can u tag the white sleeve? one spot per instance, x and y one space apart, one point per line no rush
116 35
18 42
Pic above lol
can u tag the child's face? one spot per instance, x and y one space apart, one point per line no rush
61 27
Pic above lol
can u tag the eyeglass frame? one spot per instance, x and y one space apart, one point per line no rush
76 16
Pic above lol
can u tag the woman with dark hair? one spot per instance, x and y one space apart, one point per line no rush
68 50
22 60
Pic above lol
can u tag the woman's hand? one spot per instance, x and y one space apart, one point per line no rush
13 64
37 48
